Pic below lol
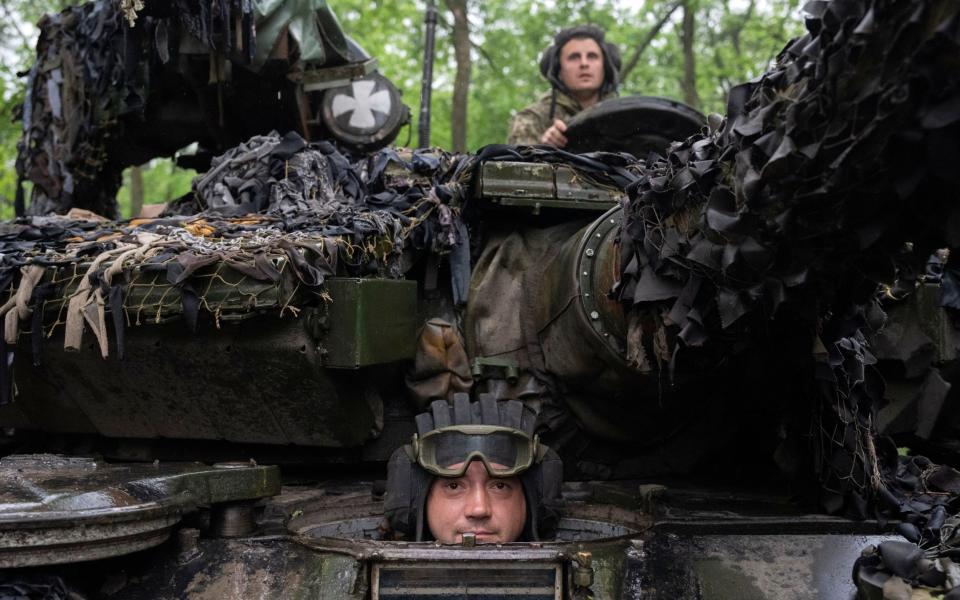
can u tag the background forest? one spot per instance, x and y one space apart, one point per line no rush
486 63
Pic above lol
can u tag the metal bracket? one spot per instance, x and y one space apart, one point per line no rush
535 186
583 570
503 368
315 80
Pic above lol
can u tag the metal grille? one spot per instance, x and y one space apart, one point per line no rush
447 579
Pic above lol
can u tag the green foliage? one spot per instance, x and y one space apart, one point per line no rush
735 40
163 181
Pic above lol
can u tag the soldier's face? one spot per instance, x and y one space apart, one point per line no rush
494 509
581 66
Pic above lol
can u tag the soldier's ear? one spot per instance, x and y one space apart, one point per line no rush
613 55
547 60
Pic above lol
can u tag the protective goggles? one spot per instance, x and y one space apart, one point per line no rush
448 451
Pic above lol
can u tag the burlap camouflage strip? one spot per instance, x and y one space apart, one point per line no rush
277 211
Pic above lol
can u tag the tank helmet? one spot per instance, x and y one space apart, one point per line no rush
550 60
501 435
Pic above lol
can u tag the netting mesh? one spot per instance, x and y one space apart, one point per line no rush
154 277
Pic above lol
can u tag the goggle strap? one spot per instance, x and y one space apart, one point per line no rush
411 451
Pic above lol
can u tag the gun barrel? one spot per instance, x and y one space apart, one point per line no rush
580 321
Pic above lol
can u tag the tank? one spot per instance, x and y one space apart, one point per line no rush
201 404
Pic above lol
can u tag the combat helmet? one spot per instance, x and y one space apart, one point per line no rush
550 60
498 433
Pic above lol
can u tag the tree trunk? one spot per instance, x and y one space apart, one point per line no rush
647 40
461 84
689 59
136 191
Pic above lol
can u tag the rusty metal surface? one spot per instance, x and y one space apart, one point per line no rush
56 509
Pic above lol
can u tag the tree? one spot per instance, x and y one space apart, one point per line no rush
486 61
690 95
647 39
461 84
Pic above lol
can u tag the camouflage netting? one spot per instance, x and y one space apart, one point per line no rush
790 217
63 149
273 219
93 71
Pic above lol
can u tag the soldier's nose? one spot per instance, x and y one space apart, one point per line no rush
478 504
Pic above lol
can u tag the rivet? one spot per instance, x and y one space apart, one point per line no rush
589 251
613 222
585 295
598 235
594 315
585 273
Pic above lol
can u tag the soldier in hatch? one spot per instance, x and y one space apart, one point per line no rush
582 69
474 469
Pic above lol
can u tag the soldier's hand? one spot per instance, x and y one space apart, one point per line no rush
554 136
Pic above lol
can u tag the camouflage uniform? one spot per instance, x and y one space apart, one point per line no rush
528 125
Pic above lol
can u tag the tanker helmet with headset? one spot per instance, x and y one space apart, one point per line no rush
550 61
498 433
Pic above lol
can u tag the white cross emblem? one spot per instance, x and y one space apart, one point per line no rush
362 103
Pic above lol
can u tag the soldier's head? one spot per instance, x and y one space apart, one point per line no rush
474 468
478 501
580 63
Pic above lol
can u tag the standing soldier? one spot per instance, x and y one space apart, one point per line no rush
582 69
